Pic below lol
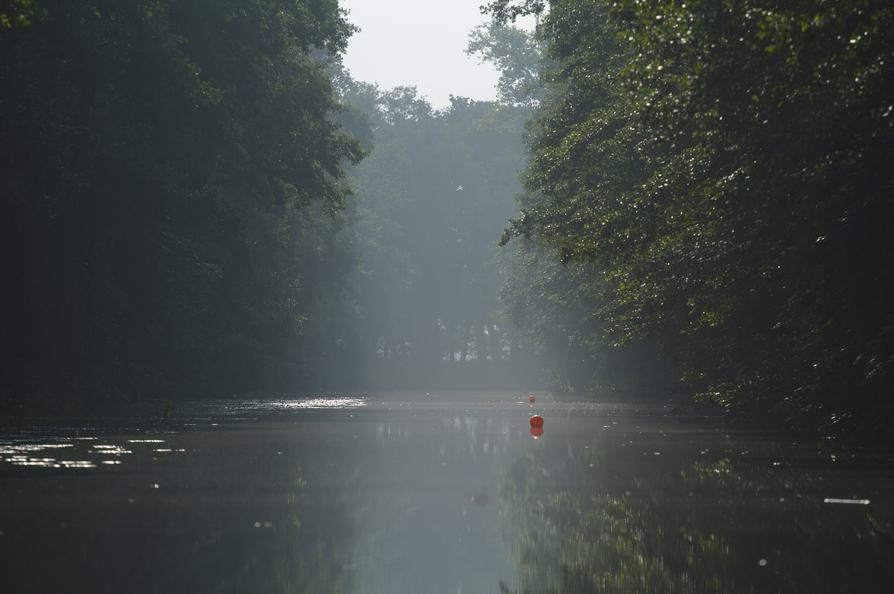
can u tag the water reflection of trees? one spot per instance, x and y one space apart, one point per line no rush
598 523
283 537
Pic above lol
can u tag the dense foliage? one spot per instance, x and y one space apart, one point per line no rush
175 213
708 177
163 165
722 170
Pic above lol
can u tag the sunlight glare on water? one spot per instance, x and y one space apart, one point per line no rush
309 403
17 454
344 402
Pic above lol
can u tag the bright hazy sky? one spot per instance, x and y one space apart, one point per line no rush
421 43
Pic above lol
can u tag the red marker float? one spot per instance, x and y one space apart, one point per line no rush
536 421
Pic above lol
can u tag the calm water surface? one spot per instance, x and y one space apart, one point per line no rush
438 493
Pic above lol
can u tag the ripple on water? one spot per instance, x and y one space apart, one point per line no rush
79 453
112 450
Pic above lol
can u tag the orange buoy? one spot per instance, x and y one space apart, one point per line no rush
531 398
536 421
537 432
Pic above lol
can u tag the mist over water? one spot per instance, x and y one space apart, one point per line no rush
281 317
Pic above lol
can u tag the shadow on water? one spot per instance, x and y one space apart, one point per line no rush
246 508
234 541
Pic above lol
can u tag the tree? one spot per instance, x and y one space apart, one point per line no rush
722 167
165 163
518 57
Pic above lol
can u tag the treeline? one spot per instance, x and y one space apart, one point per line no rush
186 211
431 199
170 173
716 177
434 302
184 214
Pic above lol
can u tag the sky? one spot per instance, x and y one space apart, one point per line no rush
421 43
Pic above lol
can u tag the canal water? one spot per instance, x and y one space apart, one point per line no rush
432 493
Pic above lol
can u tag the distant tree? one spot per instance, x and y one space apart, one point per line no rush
518 57
431 200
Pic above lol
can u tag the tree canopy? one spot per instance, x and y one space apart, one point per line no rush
721 170
162 162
